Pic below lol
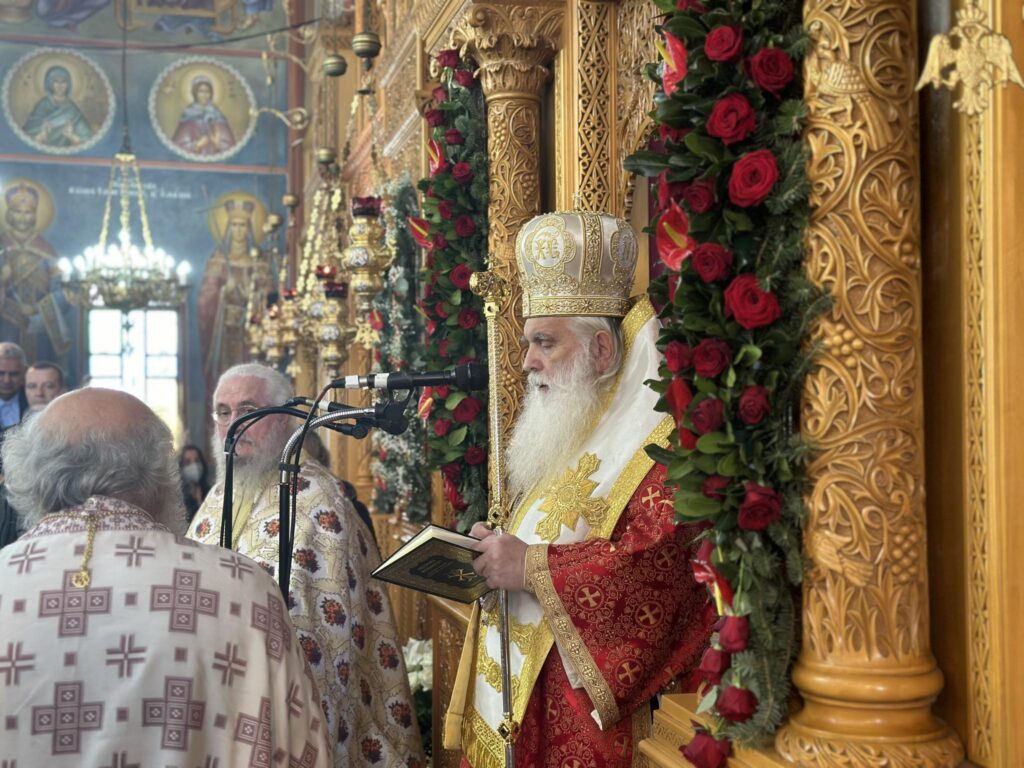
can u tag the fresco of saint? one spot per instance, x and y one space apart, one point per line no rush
202 128
234 272
31 294
56 120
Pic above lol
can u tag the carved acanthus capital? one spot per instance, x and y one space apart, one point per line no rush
511 43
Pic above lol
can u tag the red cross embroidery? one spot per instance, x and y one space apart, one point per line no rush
14 663
73 605
67 718
184 599
229 664
589 596
622 742
649 614
271 621
628 672
665 558
650 498
24 559
176 712
256 732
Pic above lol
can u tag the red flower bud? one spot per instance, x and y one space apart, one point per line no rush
732 637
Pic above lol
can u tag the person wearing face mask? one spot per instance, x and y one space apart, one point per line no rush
194 481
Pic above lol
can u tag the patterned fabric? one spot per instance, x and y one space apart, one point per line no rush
344 620
159 661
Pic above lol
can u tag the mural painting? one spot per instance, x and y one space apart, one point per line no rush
200 109
237 277
58 101
32 305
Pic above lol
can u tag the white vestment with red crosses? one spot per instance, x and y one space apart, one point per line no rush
174 654
343 617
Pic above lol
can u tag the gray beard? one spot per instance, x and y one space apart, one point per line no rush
254 473
552 426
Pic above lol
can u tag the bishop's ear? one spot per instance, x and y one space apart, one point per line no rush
603 349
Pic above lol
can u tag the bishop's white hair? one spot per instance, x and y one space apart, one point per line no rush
47 471
278 387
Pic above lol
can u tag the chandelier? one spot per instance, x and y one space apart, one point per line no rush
118 273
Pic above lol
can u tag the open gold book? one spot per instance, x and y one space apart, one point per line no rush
439 561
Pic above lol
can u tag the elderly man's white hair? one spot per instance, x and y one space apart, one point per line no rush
278 387
49 467
9 349
586 327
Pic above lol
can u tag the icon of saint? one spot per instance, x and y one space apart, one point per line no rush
202 128
56 120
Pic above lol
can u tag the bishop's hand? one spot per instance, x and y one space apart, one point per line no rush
502 560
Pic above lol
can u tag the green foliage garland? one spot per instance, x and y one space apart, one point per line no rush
453 231
398 462
732 211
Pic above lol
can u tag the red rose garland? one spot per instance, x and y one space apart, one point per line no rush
731 193
453 232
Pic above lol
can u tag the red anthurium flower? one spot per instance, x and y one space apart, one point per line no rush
674 244
420 230
438 163
673 51
704 572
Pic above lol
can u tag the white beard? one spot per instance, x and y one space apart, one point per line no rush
254 473
553 424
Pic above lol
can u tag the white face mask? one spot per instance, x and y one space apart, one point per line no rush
193 472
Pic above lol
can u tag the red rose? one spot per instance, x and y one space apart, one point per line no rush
736 704
468 318
449 57
442 392
708 415
475 455
753 405
711 261
677 356
731 119
439 241
434 117
464 226
678 397
431 327
699 196
732 637
442 348
760 508
675 55
752 178
713 665
771 69
714 487
441 427
464 78
440 310
452 470
439 94
460 276
711 357
704 750
453 136
463 173
445 209
723 43
467 410
451 492
751 306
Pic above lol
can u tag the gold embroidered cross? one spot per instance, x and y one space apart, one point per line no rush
570 498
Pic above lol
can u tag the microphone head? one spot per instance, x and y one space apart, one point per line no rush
471 376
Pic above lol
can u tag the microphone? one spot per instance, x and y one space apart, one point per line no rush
466 377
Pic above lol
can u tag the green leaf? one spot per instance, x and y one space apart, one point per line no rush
454 399
703 146
660 455
708 701
714 442
729 465
697 507
685 26
748 355
646 163
730 377
740 221
679 469
457 436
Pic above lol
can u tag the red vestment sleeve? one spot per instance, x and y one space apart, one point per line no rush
626 612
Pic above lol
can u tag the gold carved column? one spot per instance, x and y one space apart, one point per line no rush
512 44
866 671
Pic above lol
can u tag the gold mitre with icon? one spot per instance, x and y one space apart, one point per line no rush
576 263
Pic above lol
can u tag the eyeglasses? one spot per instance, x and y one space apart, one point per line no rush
224 415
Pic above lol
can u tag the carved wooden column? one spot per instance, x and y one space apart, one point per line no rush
512 45
866 670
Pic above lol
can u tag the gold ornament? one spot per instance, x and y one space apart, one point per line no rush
973 56
576 263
